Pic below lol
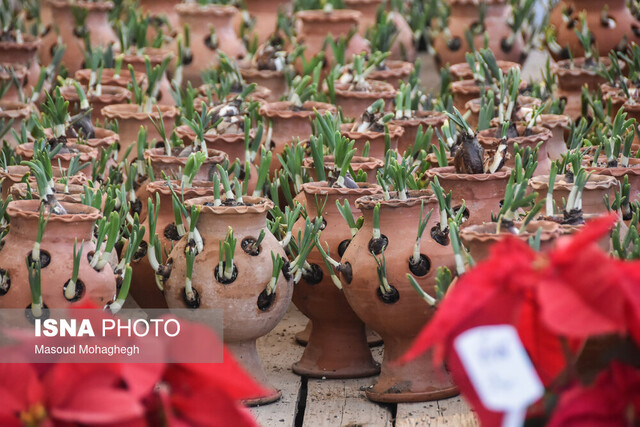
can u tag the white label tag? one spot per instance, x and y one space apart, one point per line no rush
500 370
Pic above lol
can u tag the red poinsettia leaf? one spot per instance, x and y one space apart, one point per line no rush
631 287
595 229
20 388
608 402
141 378
506 270
99 406
228 376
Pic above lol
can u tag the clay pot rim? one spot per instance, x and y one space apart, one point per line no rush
108 75
157 155
265 74
476 2
86 152
336 15
618 171
198 187
130 111
431 118
107 137
30 209
595 182
538 134
395 131
482 232
414 199
357 162
260 205
16 109
259 93
281 109
208 9
19 69
474 104
12 171
156 56
470 87
553 120
109 93
184 131
378 90
395 68
321 187
560 70
364 2
461 70
102 5
74 189
29 42
449 172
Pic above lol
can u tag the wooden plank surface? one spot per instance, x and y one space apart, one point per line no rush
343 403
278 352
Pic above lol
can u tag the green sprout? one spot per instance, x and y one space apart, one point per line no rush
70 289
422 225
33 269
227 250
277 263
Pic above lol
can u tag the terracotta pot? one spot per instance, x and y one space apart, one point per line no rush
265 16
337 347
244 321
571 81
74 193
353 103
313 27
261 94
302 337
200 19
464 15
399 322
162 8
57 245
146 292
109 78
395 73
479 238
482 193
104 138
14 174
129 122
271 79
375 139
110 95
25 54
369 165
404 37
156 56
567 229
97 23
615 96
19 113
487 138
606 38
87 154
433 160
20 70
473 109
560 127
592 196
464 91
288 123
172 166
462 71
619 172
425 119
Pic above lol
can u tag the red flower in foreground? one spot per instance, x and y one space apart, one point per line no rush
612 401
21 394
572 292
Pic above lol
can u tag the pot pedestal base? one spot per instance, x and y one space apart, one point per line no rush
416 381
246 354
302 337
337 350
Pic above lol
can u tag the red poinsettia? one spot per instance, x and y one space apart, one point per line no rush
551 299
612 401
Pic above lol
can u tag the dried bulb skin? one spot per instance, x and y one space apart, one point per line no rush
469 157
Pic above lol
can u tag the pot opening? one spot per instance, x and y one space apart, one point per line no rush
390 297
422 267
377 246
314 276
265 301
249 246
342 247
45 258
195 302
29 314
171 232
220 277
80 288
